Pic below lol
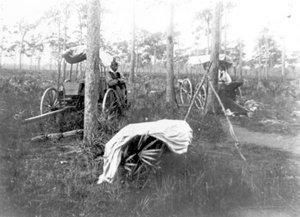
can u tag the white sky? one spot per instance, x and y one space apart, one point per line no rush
246 20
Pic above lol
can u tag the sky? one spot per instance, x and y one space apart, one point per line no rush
245 21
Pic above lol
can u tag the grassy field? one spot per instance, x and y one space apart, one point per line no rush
58 177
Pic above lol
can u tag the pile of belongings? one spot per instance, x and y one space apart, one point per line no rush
175 134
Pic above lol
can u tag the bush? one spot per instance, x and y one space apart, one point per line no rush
277 103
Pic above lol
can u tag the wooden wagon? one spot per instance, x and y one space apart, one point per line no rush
69 92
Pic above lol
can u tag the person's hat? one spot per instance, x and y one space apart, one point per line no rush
114 63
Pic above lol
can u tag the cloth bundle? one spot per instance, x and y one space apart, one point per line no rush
176 134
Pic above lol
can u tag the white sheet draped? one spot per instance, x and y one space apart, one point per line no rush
176 134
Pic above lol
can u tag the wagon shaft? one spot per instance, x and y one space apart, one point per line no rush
42 116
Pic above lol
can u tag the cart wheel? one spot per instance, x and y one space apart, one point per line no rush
186 91
48 101
110 102
201 97
122 93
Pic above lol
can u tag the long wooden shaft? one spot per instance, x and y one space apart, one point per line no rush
39 117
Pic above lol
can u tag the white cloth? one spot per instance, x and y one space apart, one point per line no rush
224 77
176 134
198 60
106 58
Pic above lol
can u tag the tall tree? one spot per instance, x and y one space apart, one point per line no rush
53 18
283 58
205 18
2 30
81 10
151 45
214 57
267 52
33 48
132 61
241 58
92 73
227 8
170 91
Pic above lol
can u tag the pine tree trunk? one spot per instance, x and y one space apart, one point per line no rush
283 59
154 62
170 91
1 44
59 51
80 74
225 32
207 39
214 58
259 60
137 57
92 73
240 59
21 51
132 62
65 22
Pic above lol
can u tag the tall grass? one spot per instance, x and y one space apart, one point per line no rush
58 178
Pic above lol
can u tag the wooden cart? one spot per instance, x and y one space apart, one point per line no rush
69 92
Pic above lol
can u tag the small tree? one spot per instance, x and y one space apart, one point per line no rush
3 29
92 73
33 48
22 29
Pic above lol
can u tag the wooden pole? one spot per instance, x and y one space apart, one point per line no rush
43 116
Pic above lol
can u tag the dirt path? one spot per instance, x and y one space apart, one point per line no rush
287 143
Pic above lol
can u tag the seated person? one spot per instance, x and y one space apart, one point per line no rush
116 80
227 88
113 77
224 77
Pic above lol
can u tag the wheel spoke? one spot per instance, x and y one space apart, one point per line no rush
201 98
185 92
110 102
48 101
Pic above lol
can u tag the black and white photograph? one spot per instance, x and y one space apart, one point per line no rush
139 108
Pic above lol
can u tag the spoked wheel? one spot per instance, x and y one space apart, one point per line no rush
111 102
186 91
49 100
201 97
